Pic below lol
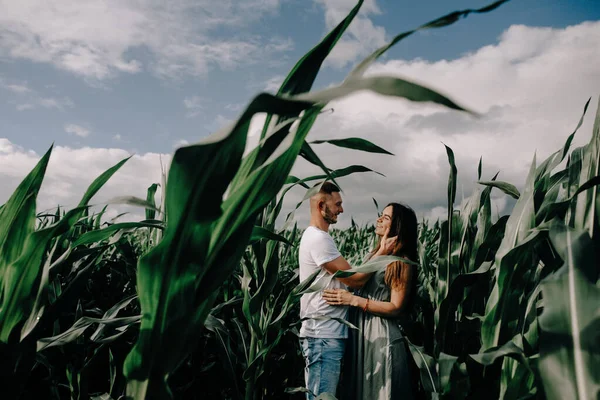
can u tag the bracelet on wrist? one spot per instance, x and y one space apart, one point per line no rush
366 307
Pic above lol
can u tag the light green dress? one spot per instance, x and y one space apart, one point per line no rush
376 363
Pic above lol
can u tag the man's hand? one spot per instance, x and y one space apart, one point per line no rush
338 297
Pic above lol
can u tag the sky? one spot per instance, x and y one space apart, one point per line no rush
103 80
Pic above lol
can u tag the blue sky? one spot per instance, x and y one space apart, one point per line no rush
145 78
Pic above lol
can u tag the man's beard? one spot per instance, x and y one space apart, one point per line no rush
328 216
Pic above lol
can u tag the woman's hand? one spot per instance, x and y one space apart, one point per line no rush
387 244
338 297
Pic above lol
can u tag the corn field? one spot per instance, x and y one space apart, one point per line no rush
200 299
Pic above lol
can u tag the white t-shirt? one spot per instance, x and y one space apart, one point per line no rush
317 248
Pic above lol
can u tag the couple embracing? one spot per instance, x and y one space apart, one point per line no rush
373 362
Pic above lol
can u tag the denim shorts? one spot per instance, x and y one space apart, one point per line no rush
323 358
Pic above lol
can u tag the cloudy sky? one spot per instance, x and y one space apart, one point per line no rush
106 79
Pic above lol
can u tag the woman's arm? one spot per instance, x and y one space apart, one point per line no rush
386 309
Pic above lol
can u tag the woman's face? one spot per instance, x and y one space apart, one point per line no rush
384 222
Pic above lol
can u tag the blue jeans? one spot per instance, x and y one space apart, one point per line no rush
323 359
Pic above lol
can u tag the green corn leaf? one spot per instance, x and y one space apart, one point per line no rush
518 227
99 235
559 209
82 324
383 85
546 211
99 217
99 333
586 210
151 212
294 296
309 155
294 390
506 187
446 363
450 229
17 217
427 368
569 345
490 356
133 201
373 265
230 229
266 148
302 76
326 396
22 277
355 144
446 20
295 181
556 158
259 233
501 322
449 304
338 173
104 396
570 138
529 331
592 183
99 182
484 226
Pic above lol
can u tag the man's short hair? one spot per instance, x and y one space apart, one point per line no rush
328 188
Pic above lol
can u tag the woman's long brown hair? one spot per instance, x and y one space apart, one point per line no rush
404 225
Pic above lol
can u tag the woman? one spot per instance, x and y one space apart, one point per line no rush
376 364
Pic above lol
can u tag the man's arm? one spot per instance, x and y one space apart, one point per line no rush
358 280
340 264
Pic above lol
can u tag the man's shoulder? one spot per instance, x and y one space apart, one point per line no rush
312 231
312 234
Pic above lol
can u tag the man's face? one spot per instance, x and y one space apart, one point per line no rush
332 208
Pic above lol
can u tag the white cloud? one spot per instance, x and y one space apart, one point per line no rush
234 107
77 130
221 122
180 143
32 98
70 171
52 102
26 106
194 105
98 40
273 84
362 36
18 88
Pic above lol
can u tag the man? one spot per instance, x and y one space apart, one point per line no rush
323 340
